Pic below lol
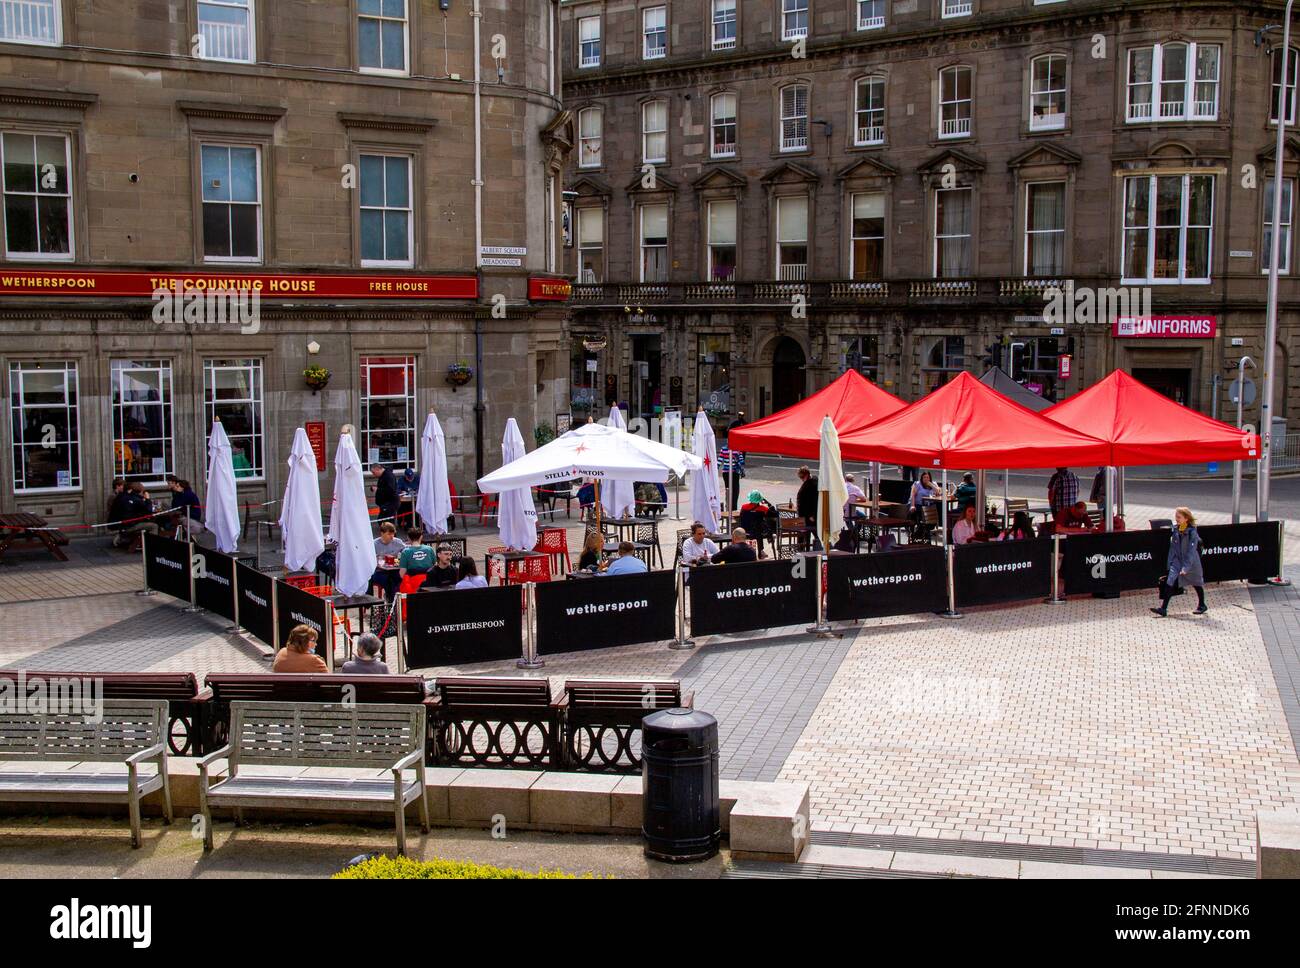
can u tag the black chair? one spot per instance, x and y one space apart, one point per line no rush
1160 524
649 534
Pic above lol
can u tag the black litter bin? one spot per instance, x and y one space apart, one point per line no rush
682 817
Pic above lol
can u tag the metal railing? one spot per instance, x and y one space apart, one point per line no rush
871 135
590 60
654 53
957 8
224 41
871 23
794 142
29 21
794 272
1286 453
954 127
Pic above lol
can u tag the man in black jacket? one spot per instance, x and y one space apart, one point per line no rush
131 511
738 550
386 497
805 501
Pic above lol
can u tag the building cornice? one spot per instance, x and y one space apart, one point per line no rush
386 122
74 100
255 113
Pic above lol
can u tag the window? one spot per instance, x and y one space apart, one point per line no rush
1045 229
1168 227
867 235
226 30
722 241
589 42
46 426
30 22
654 21
952 233
142 420
654 243
724 125
1288 193
1173 82
1037 364
37 196
869 128
381 35
794 19
871 14
1047 93
388 411
386 234
232 204
861 353
724 24
232 393
794 118
792 238
1292 72
955 102
591 245
654 132
945 357
957 8
713 374
591 122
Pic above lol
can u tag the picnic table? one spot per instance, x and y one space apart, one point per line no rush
29 528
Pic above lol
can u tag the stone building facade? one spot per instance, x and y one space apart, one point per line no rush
766 193
321 154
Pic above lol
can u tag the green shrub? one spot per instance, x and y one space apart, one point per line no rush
386 868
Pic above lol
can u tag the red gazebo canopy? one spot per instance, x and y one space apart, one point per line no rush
852 402
966 424
1145 427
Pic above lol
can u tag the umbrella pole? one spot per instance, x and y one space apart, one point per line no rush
943 497
822 629
1106 503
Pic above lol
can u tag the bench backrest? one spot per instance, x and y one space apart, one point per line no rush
598 694
127 726
360 736
486 691
313 687
121 685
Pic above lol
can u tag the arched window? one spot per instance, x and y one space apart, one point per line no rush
869 112
722 112
1047 92
794 117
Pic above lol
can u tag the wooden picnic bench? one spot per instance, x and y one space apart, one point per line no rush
29 529
602 720
356 736
485 721
129 732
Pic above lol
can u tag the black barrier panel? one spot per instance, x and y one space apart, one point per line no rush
901 582
1238 551
256 592
987 572
294 607
167 566
469 625
1113 562
604 611
214 586
753 595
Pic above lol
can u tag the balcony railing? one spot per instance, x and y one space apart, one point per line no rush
794 33
871 23
724 43
224 41
1206 109
794 272
29 21
794 142
871 135
653 53
954 127
590 59
1139 111
957 8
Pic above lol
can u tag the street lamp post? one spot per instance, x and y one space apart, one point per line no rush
1236 465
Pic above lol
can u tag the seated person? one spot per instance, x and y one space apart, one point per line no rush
388 548
924 493
444 573
298 654
593 547
408 483
1074 518
417 557
366 662
964 531
856 495
627 563
966 493
698 548
133 509
119 486
650 498
1022 528
738 550
469 576
186 504
759 517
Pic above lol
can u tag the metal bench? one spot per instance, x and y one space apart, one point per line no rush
486 721
130 732
379 736
602 720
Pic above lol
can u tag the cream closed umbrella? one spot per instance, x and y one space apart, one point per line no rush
301 529
705 502
354 551
619 498
517 521
221 514
832 495
433 500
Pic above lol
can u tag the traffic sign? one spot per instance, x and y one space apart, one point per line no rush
1246 393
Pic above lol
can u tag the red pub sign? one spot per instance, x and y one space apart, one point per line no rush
143 285
549 289
316 437
1166 327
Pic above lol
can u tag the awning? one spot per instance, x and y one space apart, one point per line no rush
1000 380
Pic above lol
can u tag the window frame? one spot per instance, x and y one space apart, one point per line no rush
871 81
952 9
957 134
254 366
598 41
795 8
408 363
715 125
878 22
259 205
1158 84
118 368
642 247
780 264
783 118
710 245
969 192
1063 91
1152 229
72 407
647 133
1288 224
1029 233
647 52
852 347
407 23
854 238
583 247
583 139
56 18
410 261
714 22
250 12
69 195
1275 69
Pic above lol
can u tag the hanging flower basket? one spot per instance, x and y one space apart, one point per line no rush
316 377
459 374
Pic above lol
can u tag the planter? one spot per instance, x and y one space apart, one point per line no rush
317 378
458 374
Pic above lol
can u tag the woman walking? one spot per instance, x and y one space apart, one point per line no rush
1184 563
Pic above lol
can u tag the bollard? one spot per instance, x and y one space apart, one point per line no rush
952 586
681 642
681 806
1056 598
529 659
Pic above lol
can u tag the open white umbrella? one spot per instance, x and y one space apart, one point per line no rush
619 499
705 504
354 554
433 500
832 494
517 517
221 515
300 521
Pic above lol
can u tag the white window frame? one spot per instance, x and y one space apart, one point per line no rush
710 244
585 59
1293 83
795 142
230 204
648 132
867 133
781 264
409 261
250 29
38 256
1049 122
405 21
55 16
1151 229
956 126
1288 218
722 16
647 29
585 246
643 248
253 367
956 8
940 237
586 149
1030 233
716 124
1152 111
71 404
792 12
871 20
854 237
119 371
407 363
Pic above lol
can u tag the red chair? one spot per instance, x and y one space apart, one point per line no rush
555 543
487 508
527 570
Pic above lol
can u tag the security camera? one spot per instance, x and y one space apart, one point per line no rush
133 178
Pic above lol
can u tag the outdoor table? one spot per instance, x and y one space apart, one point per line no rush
580 575
509 557
347 603
22 526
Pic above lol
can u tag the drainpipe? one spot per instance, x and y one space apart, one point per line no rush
477 15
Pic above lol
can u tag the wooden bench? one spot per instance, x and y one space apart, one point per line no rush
378 736
129 732
30 529
485 721
602 720
187 706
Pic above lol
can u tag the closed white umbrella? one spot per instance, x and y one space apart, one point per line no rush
221 515
517 517
301 529
832 495
705 504
354 554
619 499
433 500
